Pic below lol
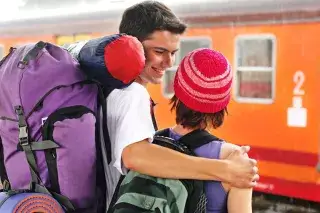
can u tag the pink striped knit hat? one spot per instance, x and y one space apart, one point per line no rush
203 81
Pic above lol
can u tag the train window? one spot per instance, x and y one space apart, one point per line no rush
1 51
191 43
186 45
255 68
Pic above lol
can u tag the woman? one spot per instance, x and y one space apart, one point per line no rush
202 87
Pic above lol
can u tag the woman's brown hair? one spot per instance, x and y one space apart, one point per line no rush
189 118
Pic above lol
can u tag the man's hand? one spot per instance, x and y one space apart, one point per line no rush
243 171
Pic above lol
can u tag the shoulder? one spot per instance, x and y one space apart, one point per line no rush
227 148
133 88
134 93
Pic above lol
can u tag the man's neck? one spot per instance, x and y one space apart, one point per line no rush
139 80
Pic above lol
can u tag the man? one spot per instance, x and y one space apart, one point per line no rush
129 120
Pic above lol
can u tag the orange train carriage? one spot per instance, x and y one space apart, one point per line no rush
274 49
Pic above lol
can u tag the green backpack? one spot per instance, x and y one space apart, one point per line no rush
138 193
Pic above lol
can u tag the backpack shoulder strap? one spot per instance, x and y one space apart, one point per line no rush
198 138
163 132
154 120
162 138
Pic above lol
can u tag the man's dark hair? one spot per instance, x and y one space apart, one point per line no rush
142 19
189 118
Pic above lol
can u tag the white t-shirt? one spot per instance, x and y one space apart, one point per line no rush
129 120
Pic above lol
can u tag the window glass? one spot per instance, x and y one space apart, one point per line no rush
186 45
255 68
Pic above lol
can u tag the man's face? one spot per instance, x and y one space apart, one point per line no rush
160 49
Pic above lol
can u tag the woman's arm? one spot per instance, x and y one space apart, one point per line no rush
239 200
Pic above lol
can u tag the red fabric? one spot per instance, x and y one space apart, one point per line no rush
125 58
203 81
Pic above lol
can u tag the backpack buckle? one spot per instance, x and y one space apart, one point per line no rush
23 128
23 136
6 185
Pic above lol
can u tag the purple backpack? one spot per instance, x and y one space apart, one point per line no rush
48 128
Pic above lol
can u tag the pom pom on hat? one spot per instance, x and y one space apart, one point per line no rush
124 58
203 81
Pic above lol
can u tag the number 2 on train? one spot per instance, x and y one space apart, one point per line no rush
299 79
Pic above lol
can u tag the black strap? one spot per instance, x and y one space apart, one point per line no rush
50 155
103 94
198 138
193 139
42 145
107 141
172 144
3 172
101 180
115 195
154 120
163 132
25 144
